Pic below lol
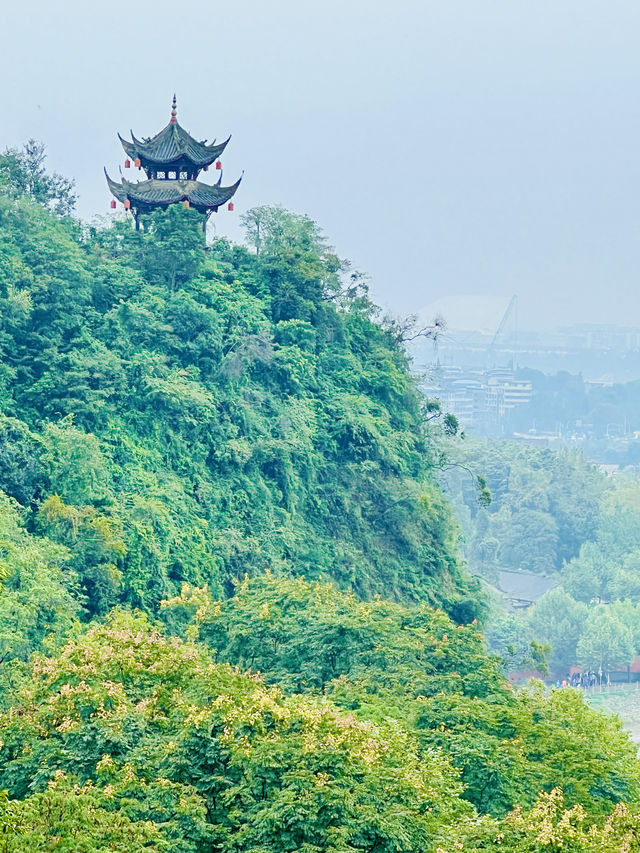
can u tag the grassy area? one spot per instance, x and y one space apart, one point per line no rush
623 701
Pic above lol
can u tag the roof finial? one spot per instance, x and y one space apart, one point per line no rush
174 110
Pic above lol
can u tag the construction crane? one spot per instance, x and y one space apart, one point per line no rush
511 310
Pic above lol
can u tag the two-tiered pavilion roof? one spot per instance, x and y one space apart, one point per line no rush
172 161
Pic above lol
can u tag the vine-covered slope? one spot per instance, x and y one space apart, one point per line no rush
172 414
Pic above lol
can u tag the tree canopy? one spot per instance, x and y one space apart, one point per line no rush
193 415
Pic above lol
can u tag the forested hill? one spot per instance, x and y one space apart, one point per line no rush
172 414
194 442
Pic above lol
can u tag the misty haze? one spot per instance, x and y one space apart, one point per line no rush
319 427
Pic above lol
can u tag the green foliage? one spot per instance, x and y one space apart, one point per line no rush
302 636
179 415
36 600
393 751
606 643
554 514
509 636
384 661
214 758
22 173
608 568
176 417
509 750
559 620
69 818
549 827
22 475
544 506
172 246
77 469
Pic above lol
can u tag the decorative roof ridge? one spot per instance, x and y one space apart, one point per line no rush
177 129
182 144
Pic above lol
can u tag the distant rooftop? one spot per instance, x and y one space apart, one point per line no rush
524 588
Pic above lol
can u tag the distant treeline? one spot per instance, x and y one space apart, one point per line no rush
555 514
565 403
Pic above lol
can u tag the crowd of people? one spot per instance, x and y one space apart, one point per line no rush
581 679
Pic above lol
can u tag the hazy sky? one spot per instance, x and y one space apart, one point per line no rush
482 147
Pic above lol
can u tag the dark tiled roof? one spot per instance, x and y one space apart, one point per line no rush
171 191
173 143
523 586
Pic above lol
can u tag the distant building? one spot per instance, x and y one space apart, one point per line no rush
480 399
610 469
512 392
522 589
534 439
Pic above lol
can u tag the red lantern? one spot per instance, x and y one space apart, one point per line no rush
185 204
127 204
127 164
136 162
230 206
218 165
113 205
